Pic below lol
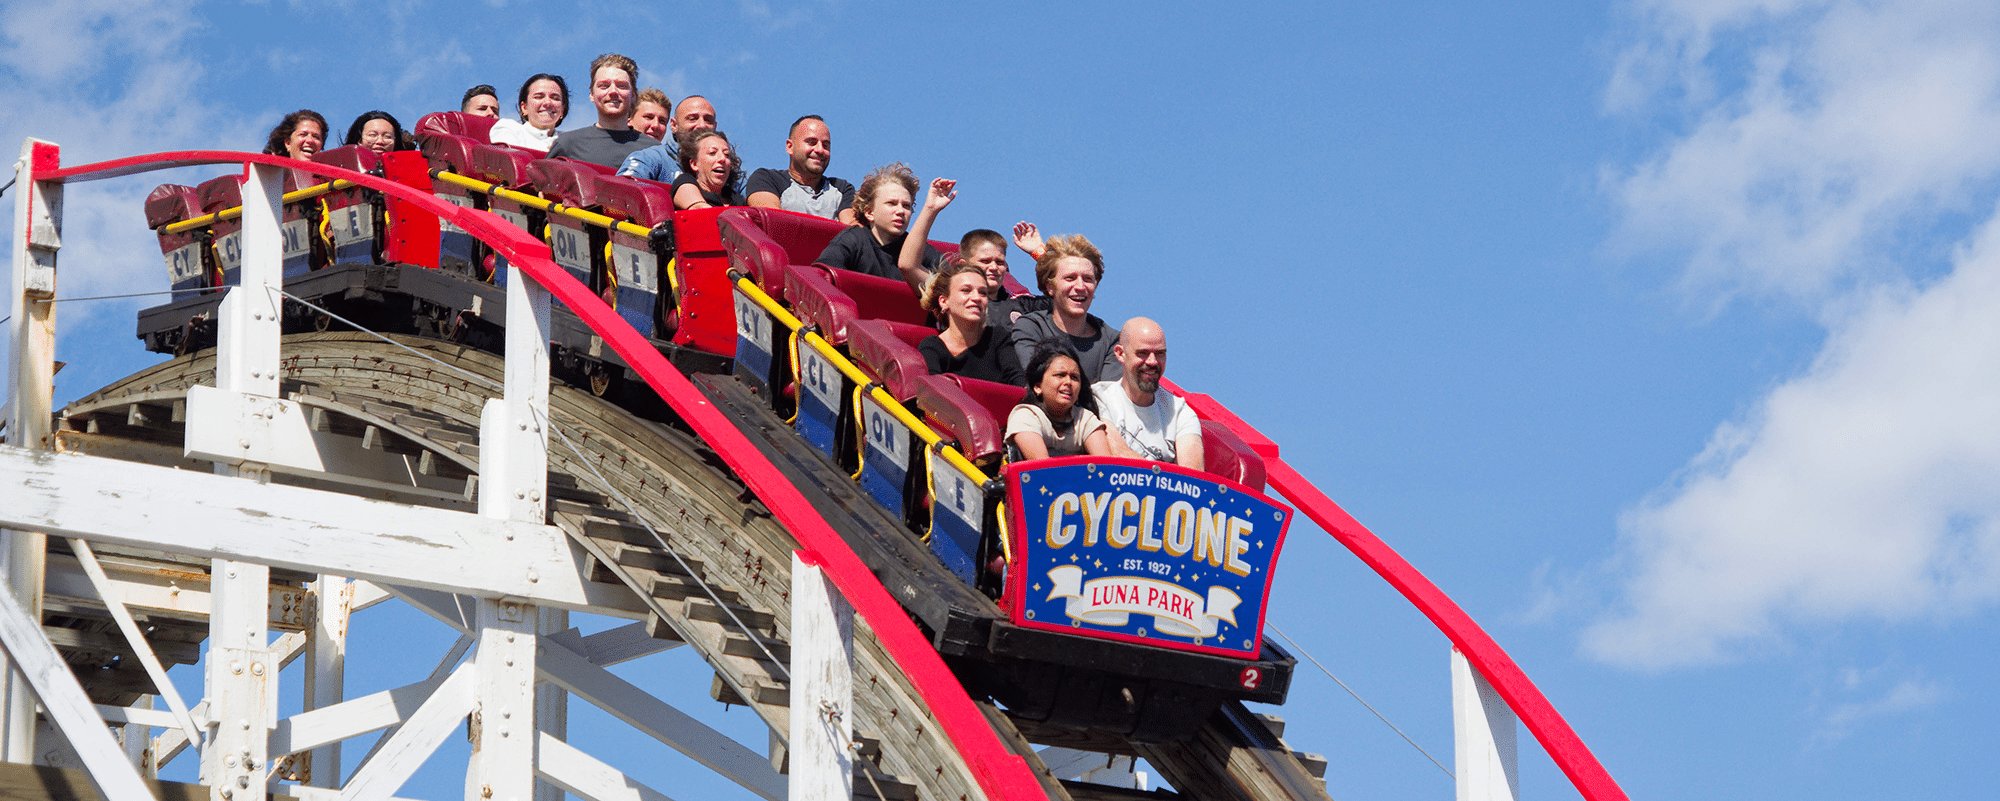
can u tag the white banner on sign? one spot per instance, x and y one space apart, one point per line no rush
1112 600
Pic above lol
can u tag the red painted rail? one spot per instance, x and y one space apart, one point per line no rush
1000 773
1536 713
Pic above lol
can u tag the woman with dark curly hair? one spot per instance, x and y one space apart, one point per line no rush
299 135
710 171
378 131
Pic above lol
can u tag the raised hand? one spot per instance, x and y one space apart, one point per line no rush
1027 237
943 191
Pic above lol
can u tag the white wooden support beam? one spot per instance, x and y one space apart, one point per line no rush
513 486
242 683
551 702
503 717
513 433
822 682
143 649
661 721
110 500
373 712
31 374
586 777
139 716
614 646
1486 742
44 673
445 666
403 752
326 667
242 675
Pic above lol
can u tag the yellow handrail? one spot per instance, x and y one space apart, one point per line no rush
854 373
543 204
234 212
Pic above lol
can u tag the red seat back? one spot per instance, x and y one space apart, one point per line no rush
503 165
350 157
819 303
1227 455
762 243
171 203
455 123
888 351
968 411
568 181
875 297
637 200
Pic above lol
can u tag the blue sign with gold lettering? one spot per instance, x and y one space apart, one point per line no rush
1141 551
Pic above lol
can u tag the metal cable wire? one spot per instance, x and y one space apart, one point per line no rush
633 509
1357 697
132 294
609 489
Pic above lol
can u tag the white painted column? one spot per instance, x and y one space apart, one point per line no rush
822 709
30 390
241 670
326 668
513 484
1485 745
551 702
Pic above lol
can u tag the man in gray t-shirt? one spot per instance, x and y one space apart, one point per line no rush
1147 422
608 142
804 185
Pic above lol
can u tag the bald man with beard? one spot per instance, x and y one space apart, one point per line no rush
1149 422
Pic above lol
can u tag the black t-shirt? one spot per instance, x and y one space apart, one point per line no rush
1002 313
825 200
989 359
855 249
727 197
599 146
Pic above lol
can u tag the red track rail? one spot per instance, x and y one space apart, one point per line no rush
1479 648
1000 773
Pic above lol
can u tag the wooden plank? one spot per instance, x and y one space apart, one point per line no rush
140 505
39 783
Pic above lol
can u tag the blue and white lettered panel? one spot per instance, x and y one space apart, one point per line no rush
1141 551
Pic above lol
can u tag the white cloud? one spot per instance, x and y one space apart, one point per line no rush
1861 699
105 79
1864 487
1825 143
1847 123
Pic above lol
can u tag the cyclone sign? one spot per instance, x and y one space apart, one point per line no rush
1141 551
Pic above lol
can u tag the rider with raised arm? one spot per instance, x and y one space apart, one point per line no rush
1068 272
875 245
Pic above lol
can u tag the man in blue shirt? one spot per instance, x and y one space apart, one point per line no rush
662 162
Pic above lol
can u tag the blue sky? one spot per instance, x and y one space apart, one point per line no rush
1658 333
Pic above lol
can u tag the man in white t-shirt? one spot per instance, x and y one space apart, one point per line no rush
1150 423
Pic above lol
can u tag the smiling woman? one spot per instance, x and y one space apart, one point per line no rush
711 172
299 135
543 104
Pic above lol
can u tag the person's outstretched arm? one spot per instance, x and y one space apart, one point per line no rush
910 261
